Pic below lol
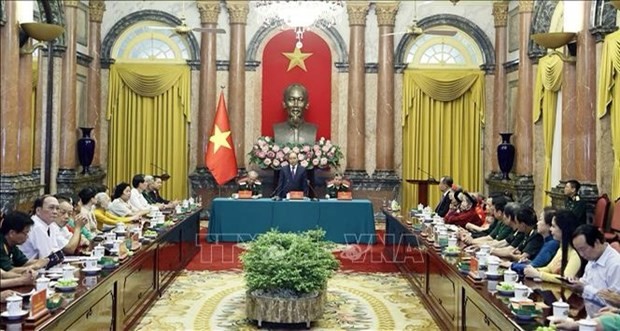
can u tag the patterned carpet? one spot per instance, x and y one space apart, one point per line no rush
215 300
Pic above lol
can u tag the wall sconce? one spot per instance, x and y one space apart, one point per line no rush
42 32
553 40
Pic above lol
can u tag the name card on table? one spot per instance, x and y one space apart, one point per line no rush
38 302
296 195
345 196
245 194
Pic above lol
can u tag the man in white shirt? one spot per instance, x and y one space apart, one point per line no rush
136 199
68 241
602 271
41 241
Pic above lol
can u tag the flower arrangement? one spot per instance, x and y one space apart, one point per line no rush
269 155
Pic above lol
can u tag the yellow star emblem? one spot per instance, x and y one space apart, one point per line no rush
297 59
219 138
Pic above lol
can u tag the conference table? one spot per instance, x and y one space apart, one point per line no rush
238 220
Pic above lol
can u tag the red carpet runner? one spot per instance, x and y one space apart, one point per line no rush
361 258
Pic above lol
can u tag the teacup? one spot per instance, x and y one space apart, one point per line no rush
485 248
482 258
587 324
117 245
14 305
492 266
452 241
510 276
98 251
68 272
90 262
120 227
42 283
522 291
560 310
89 281
109 237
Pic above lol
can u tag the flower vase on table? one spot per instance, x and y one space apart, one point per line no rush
86 149
505 155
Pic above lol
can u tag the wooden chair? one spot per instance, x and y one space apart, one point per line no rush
615 223
601 212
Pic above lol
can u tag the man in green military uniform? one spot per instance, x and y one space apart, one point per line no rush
251 183
574 202
338 184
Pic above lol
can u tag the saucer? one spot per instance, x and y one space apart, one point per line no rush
91 270
14 317
54 276
554 319
65 288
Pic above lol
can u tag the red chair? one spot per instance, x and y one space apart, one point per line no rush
601 212
615 223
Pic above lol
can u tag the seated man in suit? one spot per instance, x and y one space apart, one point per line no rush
338 184
445 186
292 177
251 183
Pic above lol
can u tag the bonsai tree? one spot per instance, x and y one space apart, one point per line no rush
288 265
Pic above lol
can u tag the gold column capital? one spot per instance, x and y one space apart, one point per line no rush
357 11
96 8
209 11
386 12
500 12
238 11
71 3
526 6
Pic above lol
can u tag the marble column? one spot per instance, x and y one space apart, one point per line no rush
585 110
521 185
356 131
24 143
500 13
9 80
67 125
524 129
569 121
386 16
209 12
238 15
96 10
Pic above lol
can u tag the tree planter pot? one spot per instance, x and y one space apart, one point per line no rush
285 310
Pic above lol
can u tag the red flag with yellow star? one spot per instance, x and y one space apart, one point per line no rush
220 157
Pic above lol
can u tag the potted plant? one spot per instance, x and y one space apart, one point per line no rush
286 276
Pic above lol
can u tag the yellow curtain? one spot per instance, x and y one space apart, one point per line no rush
548 82
148 110
609 100
443 116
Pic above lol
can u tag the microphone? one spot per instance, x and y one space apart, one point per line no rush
430 177
316 196
275 194
164 176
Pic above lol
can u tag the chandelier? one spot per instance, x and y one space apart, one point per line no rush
299 15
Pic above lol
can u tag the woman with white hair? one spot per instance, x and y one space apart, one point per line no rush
102 201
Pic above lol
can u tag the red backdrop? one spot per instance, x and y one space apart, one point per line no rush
317 79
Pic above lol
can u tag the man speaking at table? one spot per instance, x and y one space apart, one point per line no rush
292 177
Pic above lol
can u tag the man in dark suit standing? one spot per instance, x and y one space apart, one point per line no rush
445 186
292 177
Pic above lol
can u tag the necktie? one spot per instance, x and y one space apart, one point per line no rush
293 171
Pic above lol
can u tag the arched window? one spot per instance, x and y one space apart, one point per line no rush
450 52
140 42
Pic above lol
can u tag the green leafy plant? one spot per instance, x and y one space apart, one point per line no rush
288 264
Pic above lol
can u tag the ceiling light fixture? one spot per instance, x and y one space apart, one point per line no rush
299 15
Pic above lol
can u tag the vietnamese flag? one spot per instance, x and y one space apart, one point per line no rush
220 157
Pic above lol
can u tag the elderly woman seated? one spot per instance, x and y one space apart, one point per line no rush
465 211
120 202
102 202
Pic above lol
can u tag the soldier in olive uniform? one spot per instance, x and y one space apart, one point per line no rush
338 184
251 183
574 202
